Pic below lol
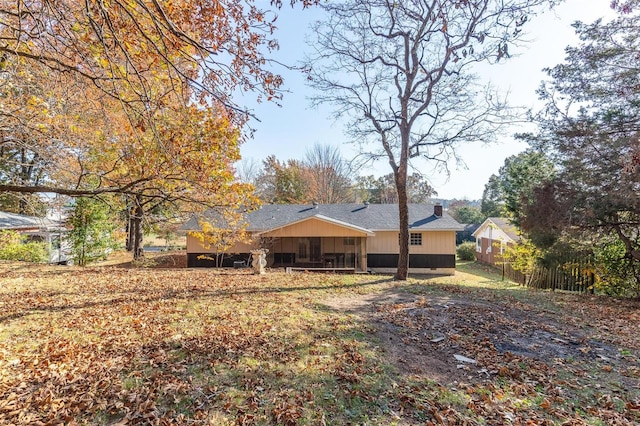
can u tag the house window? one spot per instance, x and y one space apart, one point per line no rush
479 245
415 239
349 241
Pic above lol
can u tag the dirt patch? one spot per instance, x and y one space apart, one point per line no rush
458 338
123 259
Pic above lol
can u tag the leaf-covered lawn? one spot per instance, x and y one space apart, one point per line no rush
179 346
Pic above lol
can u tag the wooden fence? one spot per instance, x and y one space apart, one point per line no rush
575 275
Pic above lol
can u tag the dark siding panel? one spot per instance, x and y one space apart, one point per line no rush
432 261
382 260
415 260
284 258
227 262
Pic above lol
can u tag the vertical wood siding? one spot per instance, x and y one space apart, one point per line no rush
433 242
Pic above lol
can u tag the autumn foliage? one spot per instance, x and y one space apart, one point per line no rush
132 98
199 346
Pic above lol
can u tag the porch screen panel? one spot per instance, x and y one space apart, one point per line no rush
315 249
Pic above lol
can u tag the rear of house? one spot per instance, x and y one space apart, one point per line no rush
353 237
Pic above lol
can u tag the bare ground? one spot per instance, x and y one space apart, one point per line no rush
465 338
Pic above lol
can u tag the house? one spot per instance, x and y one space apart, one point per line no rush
357 237
39 229
467 233
493 237
23 223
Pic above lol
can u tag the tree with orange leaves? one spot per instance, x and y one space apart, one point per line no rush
130 97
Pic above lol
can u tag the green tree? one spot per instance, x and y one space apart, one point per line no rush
466 214
590 127
519 176
507 192
492 204
400 73
91 234
615 271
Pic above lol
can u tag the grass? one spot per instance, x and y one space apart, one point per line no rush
104 345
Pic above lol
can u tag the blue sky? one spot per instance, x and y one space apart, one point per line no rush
288 131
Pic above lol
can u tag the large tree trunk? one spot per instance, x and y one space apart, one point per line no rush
135 228
403 210
129 244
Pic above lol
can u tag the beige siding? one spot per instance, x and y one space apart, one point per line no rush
383 242
314 228
433 242
280 245
437 242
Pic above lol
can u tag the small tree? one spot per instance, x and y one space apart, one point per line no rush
523 256
221 231
91 235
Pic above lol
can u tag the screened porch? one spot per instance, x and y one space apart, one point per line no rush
347 253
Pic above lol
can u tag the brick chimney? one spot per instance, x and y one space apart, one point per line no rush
437 210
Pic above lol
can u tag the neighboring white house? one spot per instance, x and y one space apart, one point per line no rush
41 230
493 236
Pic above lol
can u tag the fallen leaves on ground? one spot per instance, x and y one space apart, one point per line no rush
181 346
572 360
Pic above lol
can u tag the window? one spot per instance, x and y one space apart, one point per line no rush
415 239
349 241
478 245
35 238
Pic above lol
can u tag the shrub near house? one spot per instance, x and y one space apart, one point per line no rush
466 251
30 238
14 246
